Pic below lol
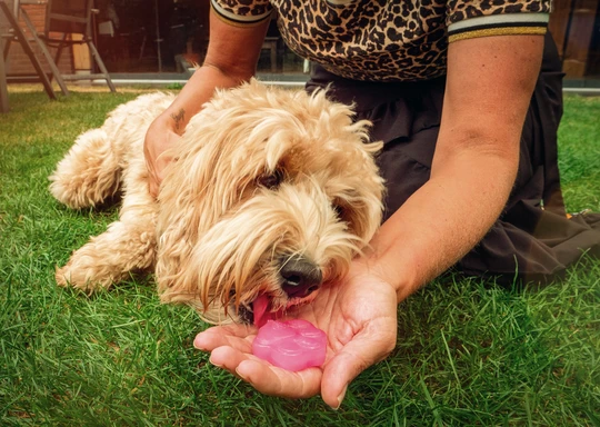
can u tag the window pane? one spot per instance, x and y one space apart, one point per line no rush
169 36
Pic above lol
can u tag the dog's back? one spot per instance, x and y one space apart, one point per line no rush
91 172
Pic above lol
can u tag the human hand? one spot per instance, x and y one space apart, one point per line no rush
359 315
159 138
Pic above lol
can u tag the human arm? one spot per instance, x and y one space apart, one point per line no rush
230 60
489 86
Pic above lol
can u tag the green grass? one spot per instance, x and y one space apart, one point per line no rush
468 352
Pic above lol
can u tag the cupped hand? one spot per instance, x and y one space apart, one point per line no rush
159 138
359 315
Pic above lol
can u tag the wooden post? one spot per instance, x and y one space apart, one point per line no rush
559 22
578 38
3 86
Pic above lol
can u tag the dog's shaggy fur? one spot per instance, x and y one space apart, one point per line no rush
261 177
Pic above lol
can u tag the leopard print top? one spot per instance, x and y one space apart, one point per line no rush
379 40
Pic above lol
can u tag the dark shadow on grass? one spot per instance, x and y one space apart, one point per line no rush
107 207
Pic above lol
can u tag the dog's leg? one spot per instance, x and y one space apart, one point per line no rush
128 245
110 257
89 173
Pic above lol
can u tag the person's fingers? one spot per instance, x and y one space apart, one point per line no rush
275 381
157 157
152 187
236 336
265 378
366 348
153 179
227 358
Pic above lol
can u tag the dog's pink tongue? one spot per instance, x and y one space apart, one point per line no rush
260 307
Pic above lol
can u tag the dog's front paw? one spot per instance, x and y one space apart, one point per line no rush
85 278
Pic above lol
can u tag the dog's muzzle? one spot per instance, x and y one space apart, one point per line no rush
300 277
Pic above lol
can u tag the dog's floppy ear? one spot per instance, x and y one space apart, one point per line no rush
191 201
177 231
184 198
208 176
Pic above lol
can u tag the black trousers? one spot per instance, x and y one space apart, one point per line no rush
533 240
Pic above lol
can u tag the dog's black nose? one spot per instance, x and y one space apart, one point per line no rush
300 277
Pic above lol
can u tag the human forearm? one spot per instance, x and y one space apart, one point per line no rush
230 60
488 90
443 220
197 91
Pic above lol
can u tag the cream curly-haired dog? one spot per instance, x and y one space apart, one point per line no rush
270 195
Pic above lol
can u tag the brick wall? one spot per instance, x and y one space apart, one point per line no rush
18 62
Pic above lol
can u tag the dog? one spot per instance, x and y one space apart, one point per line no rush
270 194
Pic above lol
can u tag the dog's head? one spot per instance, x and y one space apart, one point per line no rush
271 194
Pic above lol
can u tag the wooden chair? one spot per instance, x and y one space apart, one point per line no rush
10 31
64 18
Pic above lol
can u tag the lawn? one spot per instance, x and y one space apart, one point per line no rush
469 352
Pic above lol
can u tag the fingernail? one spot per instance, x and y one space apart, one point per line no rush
341 398
237 372
215 364
197 344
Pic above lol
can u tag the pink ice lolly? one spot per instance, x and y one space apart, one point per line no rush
292 344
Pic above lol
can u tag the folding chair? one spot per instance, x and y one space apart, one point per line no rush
11 31
65 18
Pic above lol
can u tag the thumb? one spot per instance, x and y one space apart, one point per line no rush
364 350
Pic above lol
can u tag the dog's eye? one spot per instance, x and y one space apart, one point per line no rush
271 180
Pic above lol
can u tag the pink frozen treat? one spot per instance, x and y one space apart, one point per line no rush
292 344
